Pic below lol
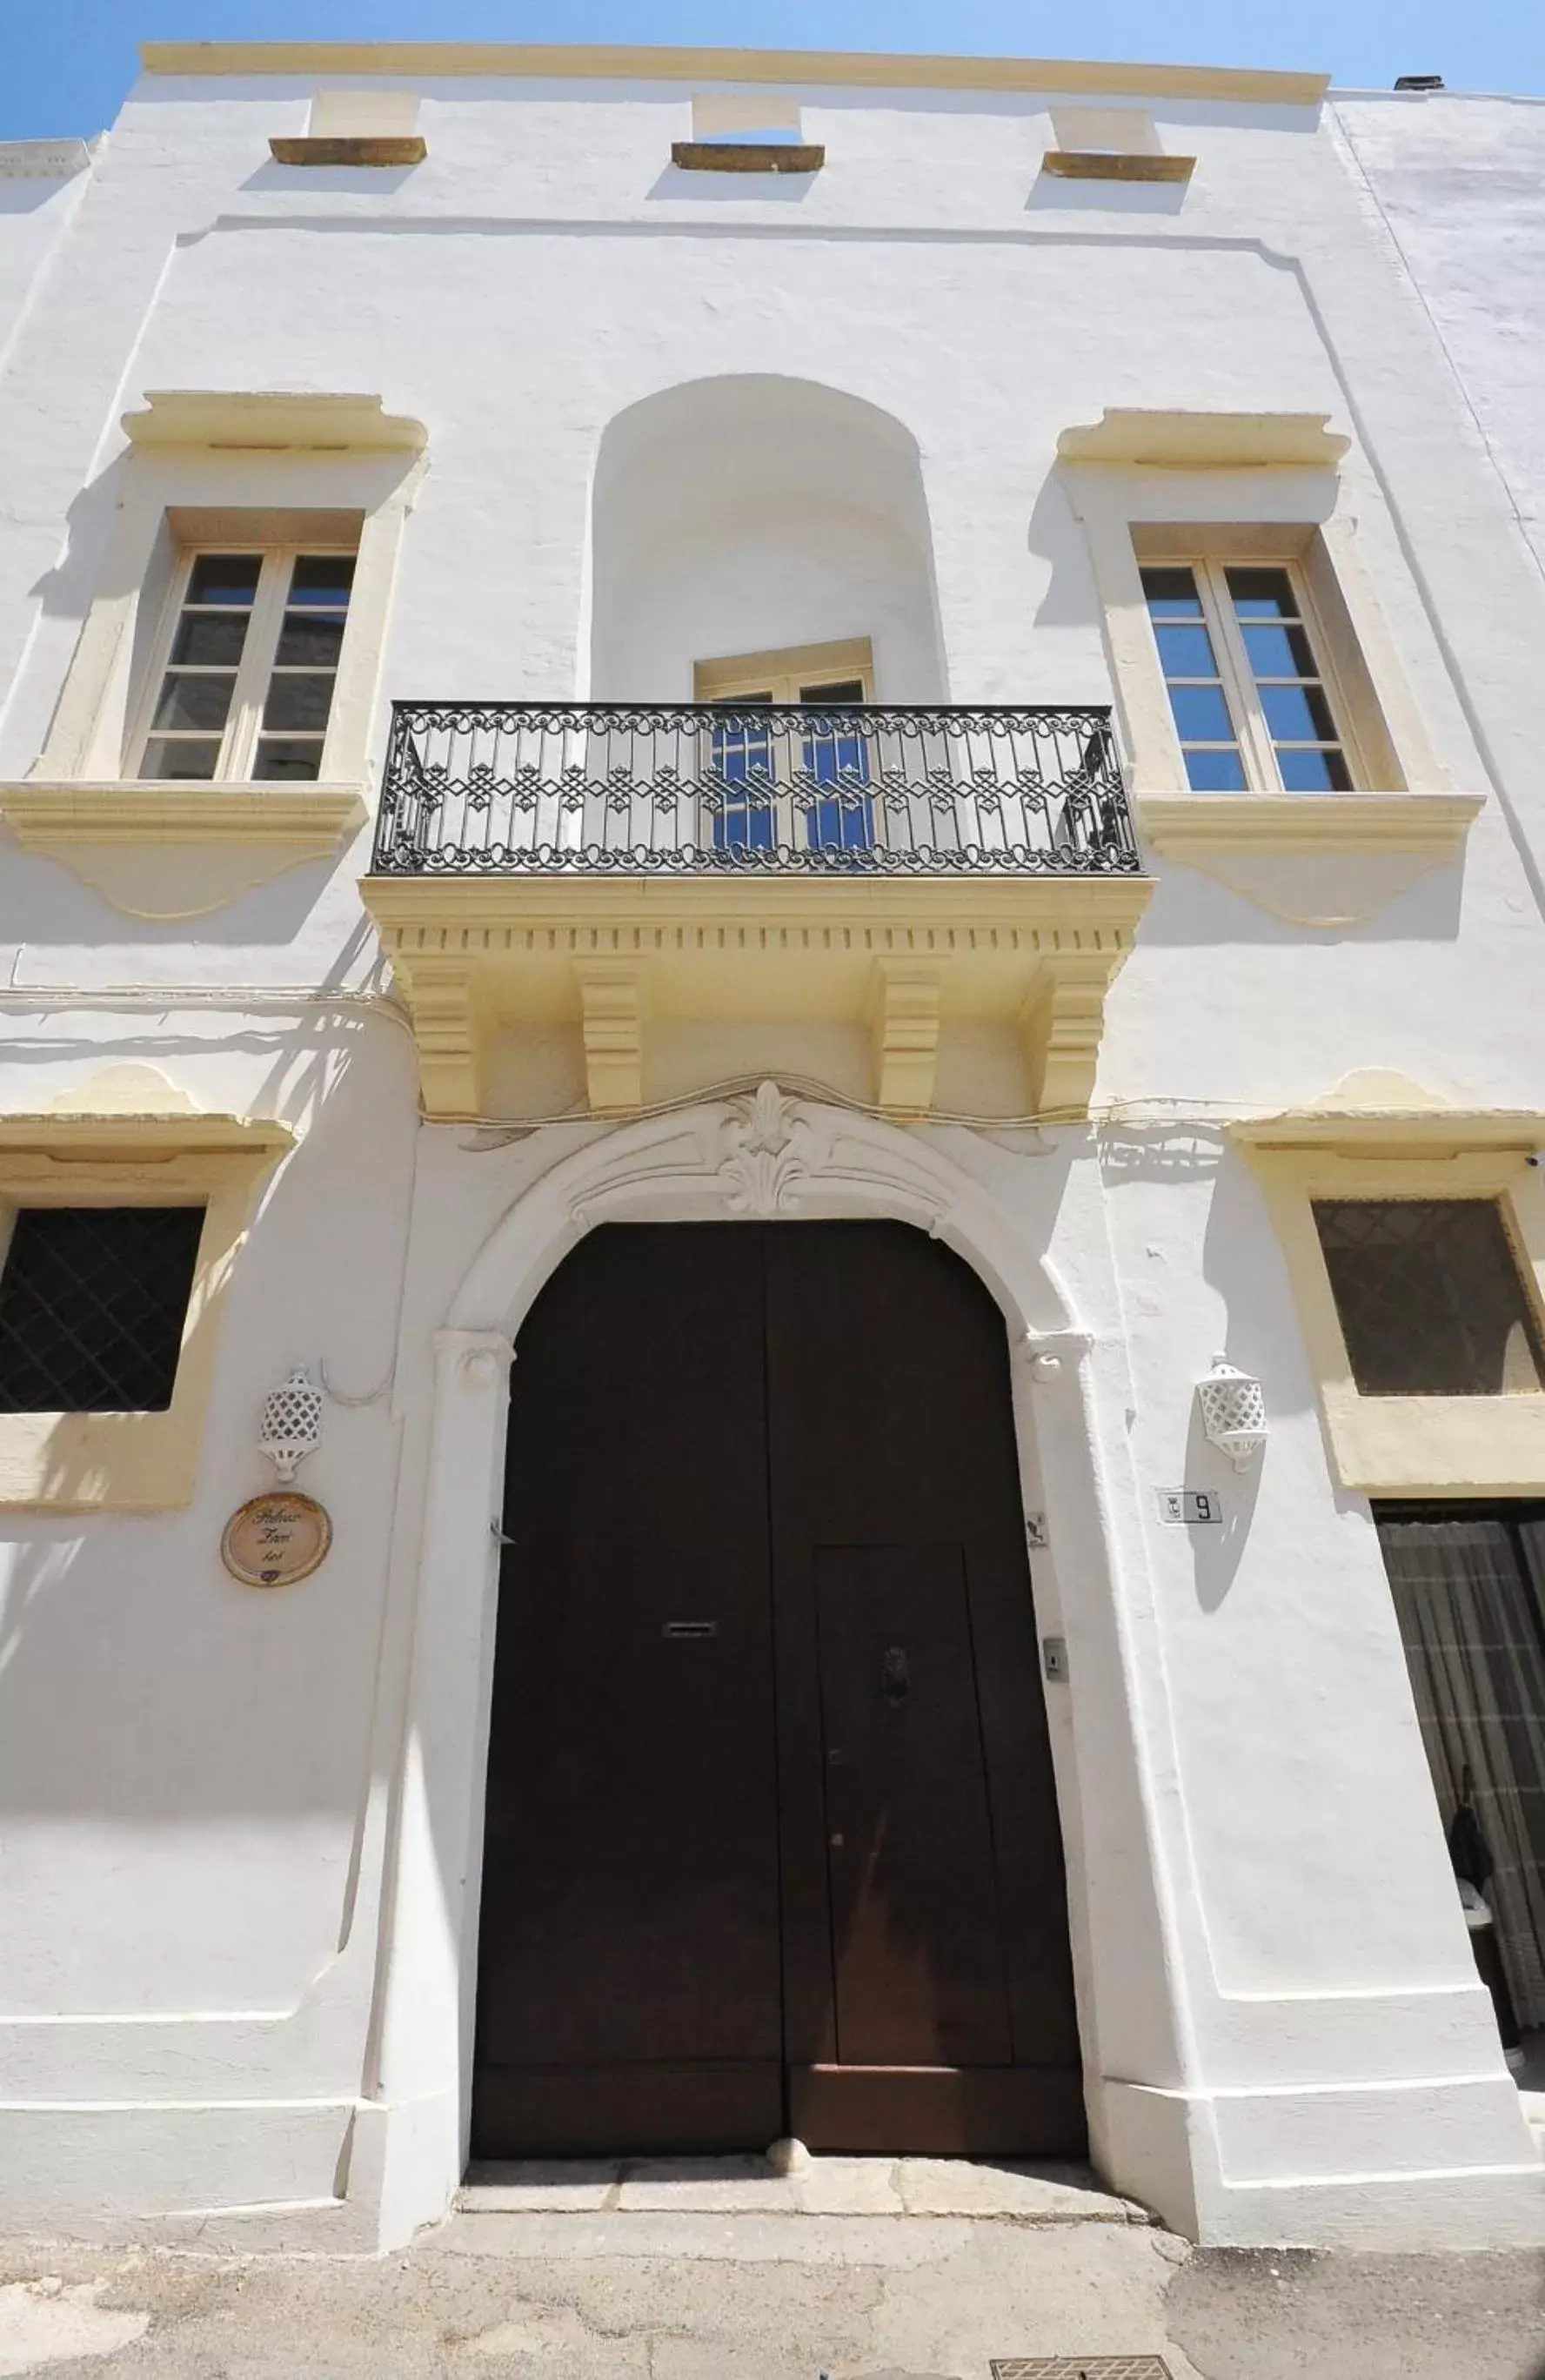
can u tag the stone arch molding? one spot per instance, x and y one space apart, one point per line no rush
763 1155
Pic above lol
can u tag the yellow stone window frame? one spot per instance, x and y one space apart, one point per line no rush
205 469
1269 487
1429 1446
133 1462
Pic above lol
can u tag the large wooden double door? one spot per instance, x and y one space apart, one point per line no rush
772 1841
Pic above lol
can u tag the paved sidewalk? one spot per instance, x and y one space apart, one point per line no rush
681 2274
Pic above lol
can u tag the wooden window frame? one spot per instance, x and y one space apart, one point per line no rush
1209 564
786 673
255 671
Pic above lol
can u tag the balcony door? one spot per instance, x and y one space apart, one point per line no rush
790 766
772 1843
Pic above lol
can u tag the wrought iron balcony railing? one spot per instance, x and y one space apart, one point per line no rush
624 788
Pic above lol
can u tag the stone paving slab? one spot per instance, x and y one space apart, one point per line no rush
706 2186
799 2185
745 2237
1022 2193
546 2188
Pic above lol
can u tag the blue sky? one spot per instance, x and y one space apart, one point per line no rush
64 65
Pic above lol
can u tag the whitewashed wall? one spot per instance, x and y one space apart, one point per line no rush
205 1795
1457 186
40 183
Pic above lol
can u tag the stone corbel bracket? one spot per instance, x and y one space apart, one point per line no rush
905 1038
612 997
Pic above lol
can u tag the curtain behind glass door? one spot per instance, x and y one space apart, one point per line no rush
1468 1590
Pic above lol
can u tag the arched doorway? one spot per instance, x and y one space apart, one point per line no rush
771 1840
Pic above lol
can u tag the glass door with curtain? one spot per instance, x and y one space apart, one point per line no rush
1468 1583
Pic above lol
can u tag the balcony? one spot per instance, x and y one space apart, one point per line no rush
618 867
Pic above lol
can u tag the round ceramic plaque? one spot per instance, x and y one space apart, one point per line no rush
276 1539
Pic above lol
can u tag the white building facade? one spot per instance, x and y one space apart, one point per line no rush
957 754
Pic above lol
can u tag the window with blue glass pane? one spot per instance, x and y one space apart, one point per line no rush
1188 659
1288 685
742 758
1250 705
836 755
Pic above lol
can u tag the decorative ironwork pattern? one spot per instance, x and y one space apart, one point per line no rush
92 1303
584 788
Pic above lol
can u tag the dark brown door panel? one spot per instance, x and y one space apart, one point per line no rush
771 1837
982 2111
630 1901
916 1954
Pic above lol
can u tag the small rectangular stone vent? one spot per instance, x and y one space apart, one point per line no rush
1081 2367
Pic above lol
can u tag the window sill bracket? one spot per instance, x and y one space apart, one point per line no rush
156 849
1311 859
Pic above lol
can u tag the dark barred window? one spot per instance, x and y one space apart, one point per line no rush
1431 1300
92 1303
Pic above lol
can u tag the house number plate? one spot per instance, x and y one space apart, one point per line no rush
1186 1507
276 1539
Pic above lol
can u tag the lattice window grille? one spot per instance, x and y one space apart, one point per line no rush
1430 1297
92 1304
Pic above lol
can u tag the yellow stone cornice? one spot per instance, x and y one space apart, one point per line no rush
940 906
1393 1134
114 1138
273 420
851 69
1194 439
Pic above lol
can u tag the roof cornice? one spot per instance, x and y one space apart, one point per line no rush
859 69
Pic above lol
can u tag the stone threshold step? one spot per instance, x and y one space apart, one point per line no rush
797 2183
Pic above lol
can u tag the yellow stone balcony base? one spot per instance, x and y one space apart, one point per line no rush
476 957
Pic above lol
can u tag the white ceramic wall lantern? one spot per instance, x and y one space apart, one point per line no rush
1233 1413
291 1427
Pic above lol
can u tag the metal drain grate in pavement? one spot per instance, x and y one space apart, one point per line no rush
1081 2367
